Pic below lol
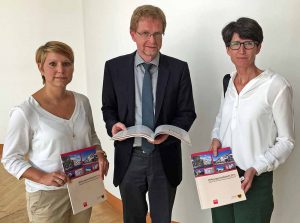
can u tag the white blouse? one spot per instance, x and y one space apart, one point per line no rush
44 136
258 123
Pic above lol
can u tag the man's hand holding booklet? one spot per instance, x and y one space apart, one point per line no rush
145 132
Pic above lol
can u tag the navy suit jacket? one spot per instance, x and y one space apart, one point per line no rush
174 106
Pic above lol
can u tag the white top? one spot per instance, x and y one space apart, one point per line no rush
258 123
44 136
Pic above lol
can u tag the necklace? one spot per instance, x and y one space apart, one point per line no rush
71 126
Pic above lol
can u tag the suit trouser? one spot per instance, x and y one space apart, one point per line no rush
53 206
145 174
257 208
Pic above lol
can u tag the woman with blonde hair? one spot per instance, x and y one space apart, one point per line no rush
51 121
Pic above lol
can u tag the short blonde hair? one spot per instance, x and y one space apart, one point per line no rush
53 47
149 11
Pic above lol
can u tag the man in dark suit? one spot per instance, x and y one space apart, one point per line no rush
138 169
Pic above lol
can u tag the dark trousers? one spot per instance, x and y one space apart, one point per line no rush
145 174
257 208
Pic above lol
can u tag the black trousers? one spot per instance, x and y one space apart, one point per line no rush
145 174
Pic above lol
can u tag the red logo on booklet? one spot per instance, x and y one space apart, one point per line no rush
84 204
215 201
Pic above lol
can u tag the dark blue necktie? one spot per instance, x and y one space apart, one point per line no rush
147 107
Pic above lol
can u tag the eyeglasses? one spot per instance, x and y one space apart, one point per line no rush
147 35
236 45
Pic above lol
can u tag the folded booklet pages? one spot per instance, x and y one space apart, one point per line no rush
144 131
86 187
217 179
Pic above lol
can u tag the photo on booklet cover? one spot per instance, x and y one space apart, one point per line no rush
205 163
79 163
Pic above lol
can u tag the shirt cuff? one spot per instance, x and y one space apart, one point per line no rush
260 167
20 172
215 135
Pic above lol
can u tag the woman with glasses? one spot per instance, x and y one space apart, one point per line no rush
256 120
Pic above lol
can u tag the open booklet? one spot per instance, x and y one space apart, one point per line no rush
145 132
86 187
217 179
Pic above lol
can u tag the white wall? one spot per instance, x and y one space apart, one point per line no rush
99 30
26 25
193 34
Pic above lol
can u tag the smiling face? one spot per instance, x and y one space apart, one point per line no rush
148 47
242 58
57 70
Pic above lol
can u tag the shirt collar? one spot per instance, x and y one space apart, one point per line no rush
139 60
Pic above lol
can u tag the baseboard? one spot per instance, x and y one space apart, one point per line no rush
116 203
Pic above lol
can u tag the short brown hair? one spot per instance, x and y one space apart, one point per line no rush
246 28
53 47
147 11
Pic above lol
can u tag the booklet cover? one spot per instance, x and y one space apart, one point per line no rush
217 179
144 131
86 187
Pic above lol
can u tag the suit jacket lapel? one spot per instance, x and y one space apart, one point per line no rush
162 79
131 88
